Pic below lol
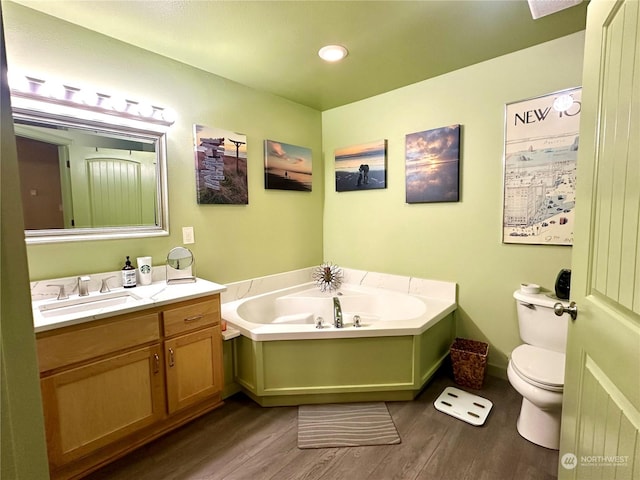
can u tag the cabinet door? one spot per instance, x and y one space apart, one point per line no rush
91 406
194 367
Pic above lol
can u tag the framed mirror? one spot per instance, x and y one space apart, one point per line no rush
84 179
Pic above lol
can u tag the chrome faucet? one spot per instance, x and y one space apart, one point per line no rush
104 288
83 286
337 313
62 295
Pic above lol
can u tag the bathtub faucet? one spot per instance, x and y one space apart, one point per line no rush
337 313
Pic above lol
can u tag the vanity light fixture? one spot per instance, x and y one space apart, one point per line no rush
65 95
333 53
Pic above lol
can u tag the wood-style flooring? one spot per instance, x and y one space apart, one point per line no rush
244 441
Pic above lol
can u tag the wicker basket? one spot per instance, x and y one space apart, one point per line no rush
469 361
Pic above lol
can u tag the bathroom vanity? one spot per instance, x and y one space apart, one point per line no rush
116 378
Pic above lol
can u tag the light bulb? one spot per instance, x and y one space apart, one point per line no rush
119 104
58 91
89 97
19 82
169 115
333 53
145 109
54 90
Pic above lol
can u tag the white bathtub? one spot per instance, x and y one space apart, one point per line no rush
291 313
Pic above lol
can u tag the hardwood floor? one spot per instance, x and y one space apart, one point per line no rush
243 441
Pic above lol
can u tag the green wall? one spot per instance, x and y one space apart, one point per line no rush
278 231
23 452
460 242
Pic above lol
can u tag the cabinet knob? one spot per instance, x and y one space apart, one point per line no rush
156 363
172 361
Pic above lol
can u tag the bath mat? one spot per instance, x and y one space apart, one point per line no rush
463 406
345 425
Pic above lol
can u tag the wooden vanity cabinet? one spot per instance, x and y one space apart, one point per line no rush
109 386
193 353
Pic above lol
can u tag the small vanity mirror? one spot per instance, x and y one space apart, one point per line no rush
180 266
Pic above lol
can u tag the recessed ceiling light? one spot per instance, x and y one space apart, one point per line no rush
333 53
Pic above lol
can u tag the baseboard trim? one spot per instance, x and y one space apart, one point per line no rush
497 371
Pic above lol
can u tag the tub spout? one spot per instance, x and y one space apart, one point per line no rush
337 313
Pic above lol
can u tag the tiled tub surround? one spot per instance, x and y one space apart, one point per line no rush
397 283
158 293
295 364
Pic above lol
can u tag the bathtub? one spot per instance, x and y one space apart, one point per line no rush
281 358
292 313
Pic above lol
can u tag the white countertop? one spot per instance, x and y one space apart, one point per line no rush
156 294
230 333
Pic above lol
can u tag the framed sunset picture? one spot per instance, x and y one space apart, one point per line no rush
432 165
287 167
361 167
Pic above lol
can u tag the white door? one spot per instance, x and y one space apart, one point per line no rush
601 411
113 187
115 191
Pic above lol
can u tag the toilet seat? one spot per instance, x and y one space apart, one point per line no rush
540 367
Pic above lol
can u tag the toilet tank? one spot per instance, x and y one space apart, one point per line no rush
539 325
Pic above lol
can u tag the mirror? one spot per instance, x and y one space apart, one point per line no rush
83 180
180 266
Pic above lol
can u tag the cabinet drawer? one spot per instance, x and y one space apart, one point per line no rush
191 316
93 340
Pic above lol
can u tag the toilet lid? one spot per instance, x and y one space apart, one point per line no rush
539 365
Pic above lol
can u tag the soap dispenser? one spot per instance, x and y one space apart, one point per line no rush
128 275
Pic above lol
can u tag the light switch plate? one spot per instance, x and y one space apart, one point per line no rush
187 235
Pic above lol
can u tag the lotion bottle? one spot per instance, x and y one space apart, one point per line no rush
128 275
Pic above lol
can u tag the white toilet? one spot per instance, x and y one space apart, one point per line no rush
536 369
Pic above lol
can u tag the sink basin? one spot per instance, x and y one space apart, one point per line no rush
87 304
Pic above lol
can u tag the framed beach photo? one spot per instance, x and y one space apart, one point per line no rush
540 160
287 167
432 165
221 166
361 167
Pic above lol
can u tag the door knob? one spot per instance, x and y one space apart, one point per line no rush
572 310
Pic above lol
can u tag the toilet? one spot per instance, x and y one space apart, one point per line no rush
536 368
